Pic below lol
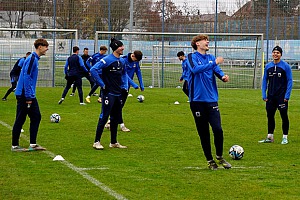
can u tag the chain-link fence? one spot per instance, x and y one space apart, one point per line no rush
277 20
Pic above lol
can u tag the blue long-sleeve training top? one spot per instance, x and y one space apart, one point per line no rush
74 66
278 80
28 77
114 76
96 57
201 80
133 67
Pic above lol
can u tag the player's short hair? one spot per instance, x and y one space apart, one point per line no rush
138 55
196 39
103 48
180 53
85 48
75 49
40 42
28 53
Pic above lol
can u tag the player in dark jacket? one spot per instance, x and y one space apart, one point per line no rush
73 67
132 66
111 81
85 56
276 91
14 75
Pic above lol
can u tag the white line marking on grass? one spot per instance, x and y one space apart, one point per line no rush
92 168
239 167
78 170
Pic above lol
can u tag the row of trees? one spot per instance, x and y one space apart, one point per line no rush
90 15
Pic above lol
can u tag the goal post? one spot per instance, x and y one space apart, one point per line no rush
242 53
14 43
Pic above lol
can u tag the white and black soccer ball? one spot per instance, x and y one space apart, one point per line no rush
55 118
140 98
236 152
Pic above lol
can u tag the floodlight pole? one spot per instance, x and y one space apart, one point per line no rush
162 44
216 27
267 31
54 37
131 25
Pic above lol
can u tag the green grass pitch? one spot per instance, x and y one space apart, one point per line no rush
164 159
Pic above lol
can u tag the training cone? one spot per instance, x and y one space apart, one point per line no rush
176 102
58 157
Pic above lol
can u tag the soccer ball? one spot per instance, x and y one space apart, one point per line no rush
236 152
140 98
55 118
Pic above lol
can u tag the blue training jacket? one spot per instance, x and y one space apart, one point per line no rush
114 77
133 67
202 81
28 77
278 79
96 57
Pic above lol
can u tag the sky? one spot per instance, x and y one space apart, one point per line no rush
208 6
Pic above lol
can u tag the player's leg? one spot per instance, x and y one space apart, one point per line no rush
21 114
35 119
215 122
92 91
104 115
201 120
91 80
124 96
70 81
73 90
185 88
78 83
11 89
283 109
271 110
115 118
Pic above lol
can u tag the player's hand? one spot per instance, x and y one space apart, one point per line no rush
285 100
105 92
265 100
225 78
219 60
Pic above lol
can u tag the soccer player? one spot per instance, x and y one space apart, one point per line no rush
14 75
203 97
27 103
132 66
85 56
91 62
111 81
184 75
73 67
276 90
